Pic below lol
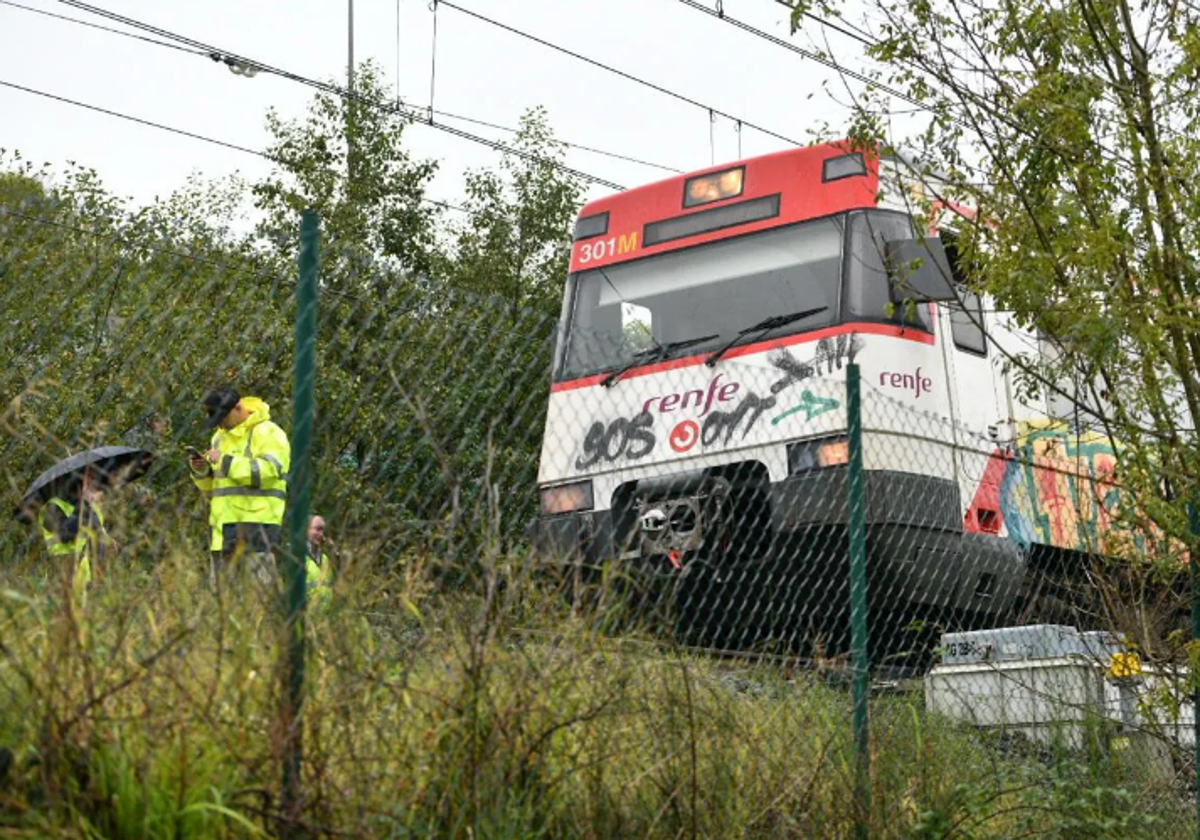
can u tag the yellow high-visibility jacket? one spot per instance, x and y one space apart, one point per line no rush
250 482
82 547
317 576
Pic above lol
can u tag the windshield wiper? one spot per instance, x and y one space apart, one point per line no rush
761 328
655 354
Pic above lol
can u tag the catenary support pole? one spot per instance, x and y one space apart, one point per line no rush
301 491
858 607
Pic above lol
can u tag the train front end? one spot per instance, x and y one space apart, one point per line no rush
696 432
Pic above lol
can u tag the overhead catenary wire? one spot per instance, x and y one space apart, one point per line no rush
712 143
399 98
189 134
616 71
101 27
726 18
811 56
581 147
218 54
866 39
844 28
863 38
139 120
808 54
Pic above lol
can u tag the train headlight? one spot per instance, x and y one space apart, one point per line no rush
567 498
713 187
817 454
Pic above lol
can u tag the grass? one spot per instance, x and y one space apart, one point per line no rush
493 712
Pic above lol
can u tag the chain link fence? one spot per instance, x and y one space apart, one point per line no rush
839 616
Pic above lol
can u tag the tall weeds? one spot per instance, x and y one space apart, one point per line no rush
492 709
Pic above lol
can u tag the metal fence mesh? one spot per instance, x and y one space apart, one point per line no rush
676 661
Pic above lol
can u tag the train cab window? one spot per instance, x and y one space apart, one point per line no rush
868 289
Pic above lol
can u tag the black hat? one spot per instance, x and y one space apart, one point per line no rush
218 403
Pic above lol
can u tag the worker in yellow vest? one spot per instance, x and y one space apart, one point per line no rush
244 474
318 569
74 533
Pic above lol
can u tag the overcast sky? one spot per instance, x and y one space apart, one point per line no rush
482 72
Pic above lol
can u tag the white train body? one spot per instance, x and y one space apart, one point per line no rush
664 456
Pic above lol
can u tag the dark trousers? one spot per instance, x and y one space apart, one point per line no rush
249 545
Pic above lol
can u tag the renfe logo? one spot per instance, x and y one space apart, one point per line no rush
670 402
915 382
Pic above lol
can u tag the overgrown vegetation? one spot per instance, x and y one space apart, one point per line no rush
490 711
434 338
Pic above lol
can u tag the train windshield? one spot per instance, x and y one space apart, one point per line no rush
716 290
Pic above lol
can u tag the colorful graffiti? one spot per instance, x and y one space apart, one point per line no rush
1054 487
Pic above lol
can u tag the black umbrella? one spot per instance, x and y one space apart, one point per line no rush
107 466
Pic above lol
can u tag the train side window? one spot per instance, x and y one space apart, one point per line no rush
966 322
966 316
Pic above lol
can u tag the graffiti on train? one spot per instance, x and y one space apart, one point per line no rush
1054 487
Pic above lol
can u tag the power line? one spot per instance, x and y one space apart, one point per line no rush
437 112
102 28
579 146
433 61
190 134
412 115
400 101
808 54
847 29
138 120
867 40
721 15
615 71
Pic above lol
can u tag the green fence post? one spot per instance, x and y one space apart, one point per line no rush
1194 579
301 490
858 608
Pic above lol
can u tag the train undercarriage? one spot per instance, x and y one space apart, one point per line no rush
725 559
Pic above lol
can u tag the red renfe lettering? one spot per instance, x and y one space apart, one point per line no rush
703 400
914 382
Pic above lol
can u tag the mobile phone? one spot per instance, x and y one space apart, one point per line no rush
192 452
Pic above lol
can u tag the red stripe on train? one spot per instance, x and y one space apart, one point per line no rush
888 330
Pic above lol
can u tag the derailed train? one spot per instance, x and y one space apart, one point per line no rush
697 426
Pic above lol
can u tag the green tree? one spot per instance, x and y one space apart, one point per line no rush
507 267
347 161
431 346
1072 125
369 191
516 244
449 408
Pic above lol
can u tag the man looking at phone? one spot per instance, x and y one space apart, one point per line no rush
244 474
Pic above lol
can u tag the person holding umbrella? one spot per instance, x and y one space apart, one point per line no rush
244 474
66 500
